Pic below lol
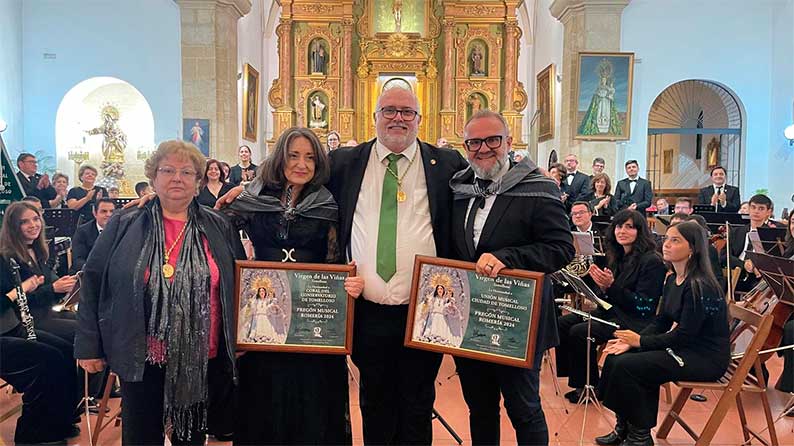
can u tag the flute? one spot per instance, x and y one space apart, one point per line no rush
22 302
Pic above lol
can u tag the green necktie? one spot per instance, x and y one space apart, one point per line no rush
387 225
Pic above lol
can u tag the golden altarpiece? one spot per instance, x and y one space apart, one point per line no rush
336 56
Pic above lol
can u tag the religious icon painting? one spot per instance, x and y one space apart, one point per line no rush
604 88
197 131
250 103
295 307
545 94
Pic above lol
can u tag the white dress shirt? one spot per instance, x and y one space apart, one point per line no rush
414 227
482 214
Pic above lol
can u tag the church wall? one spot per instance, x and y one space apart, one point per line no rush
249 50
548 49
732 42
11 73
136 41
781 158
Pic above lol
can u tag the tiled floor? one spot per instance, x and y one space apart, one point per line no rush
564 427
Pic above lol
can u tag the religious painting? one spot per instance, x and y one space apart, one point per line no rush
197 131
474 103
398 16
317 110
456 311
250 102
297 307
478 58
604 88
667 161
318 56
545 94
713 152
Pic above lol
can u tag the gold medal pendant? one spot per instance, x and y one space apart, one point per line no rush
168 270
401 196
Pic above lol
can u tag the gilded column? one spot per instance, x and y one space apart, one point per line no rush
449 64
347 75
512 34
284 31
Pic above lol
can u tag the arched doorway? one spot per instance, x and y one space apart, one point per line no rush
693 126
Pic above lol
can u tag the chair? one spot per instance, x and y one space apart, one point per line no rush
15 408
736 381
114 417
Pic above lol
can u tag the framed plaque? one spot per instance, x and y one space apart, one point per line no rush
293 307
456 311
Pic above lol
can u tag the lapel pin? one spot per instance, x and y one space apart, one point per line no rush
433 161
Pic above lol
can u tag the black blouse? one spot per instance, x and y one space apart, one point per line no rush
608 210
40 300
78 193
702 322
206 198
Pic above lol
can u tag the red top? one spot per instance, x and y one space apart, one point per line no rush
172 229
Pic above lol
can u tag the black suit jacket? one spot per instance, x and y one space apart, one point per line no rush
732 199
82 243
347 172
643 194
579 188
30 188
528 233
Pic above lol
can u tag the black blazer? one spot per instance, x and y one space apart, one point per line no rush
82 243
30 188
528 233
732 200
579 188
347 172
636 290
40 301
607 211
643 194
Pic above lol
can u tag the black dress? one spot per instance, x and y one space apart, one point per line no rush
291 398
78 193
630 382
206 198
608 210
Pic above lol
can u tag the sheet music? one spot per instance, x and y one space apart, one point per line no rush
581 288
755 241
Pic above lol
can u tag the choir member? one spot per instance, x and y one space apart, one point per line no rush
83 197
633 192
243 171
213 184
600 197
724 197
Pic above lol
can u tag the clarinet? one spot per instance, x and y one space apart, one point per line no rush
22 302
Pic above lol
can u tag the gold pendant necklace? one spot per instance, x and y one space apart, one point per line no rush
401 195
168 270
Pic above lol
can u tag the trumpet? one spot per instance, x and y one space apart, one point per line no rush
22 302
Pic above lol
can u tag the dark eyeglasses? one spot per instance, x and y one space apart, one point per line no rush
475 144
391 113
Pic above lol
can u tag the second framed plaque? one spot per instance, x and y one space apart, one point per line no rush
456 311
293 307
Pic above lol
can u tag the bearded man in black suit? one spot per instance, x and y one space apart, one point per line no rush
634 192
394 202
507 216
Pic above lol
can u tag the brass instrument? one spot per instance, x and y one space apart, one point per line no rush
22 302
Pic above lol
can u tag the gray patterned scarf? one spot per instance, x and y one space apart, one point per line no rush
522 180
178 327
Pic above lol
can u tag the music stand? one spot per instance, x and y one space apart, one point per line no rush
717 219
778 273
64 221
589 394
773 240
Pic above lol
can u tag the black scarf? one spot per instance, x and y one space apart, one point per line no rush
178 327
522 180
318 203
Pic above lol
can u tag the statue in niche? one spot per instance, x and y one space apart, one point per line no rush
475 102
316 119
713 153
476 58
115 141
397 11
319 58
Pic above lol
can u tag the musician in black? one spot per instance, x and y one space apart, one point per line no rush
86 234
631 284
688 340
34 183
740 244
42 369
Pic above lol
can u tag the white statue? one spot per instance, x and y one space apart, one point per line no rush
317 107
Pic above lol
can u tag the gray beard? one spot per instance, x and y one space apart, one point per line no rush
493 172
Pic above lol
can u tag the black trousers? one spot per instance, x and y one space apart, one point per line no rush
45 375
484 384
571 354
142 410
397 385
786 381
630 382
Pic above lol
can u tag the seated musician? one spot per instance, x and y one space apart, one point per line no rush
582 216
601 199
631 283
688 340
86 234
760 208
42 369
786 381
